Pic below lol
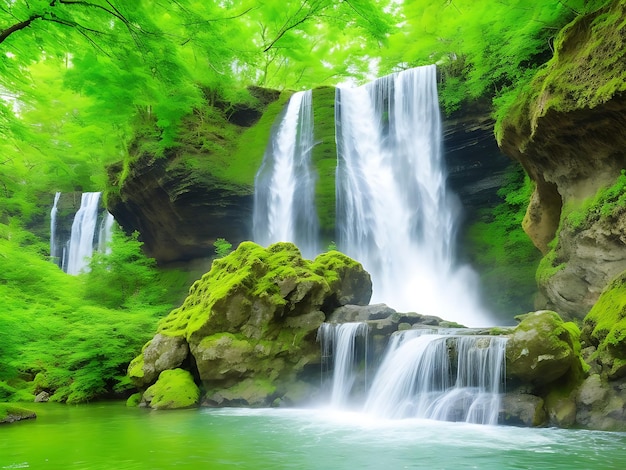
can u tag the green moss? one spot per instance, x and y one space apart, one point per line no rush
174 389
503 254
324 157
608 204
10 413
242 164
249 274
548 267
588 68
134 400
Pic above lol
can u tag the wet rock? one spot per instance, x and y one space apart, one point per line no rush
522 409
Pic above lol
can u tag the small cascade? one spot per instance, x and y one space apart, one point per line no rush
80 245
441 377
425 373
394 212
53 228
284 197
339 353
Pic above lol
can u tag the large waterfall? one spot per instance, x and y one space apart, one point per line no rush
284 200
428 374
91 230
394 213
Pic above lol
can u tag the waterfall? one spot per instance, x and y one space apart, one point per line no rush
425 373
105 233
338 343
394 213
419 378
81 243
284 198
53 227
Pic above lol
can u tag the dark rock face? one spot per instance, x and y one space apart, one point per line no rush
180 213
476 165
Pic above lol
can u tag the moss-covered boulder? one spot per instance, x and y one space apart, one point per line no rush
10 413
173 389
542 349
251 322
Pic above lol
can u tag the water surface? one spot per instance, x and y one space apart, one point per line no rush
111 436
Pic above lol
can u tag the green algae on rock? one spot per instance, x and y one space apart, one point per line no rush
251 322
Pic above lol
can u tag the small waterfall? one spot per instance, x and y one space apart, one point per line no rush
53 227
338 343
81 243
284 199
419 378
105 233
394 213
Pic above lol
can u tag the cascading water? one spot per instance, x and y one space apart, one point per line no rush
419 379
338 343
284 199
394 213
80 245
425 373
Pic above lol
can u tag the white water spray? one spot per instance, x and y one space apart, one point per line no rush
284 199
394 213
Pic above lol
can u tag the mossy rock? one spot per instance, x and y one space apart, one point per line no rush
252 286
542 349
605 328
174 389
10 413
254 316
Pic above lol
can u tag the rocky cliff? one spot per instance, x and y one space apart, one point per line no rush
567 130
203 188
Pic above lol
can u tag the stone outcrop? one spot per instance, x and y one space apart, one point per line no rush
250 325
181 199
567 132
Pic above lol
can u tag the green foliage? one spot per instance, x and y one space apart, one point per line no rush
59 331
587 68
123 277
222 247
502 252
